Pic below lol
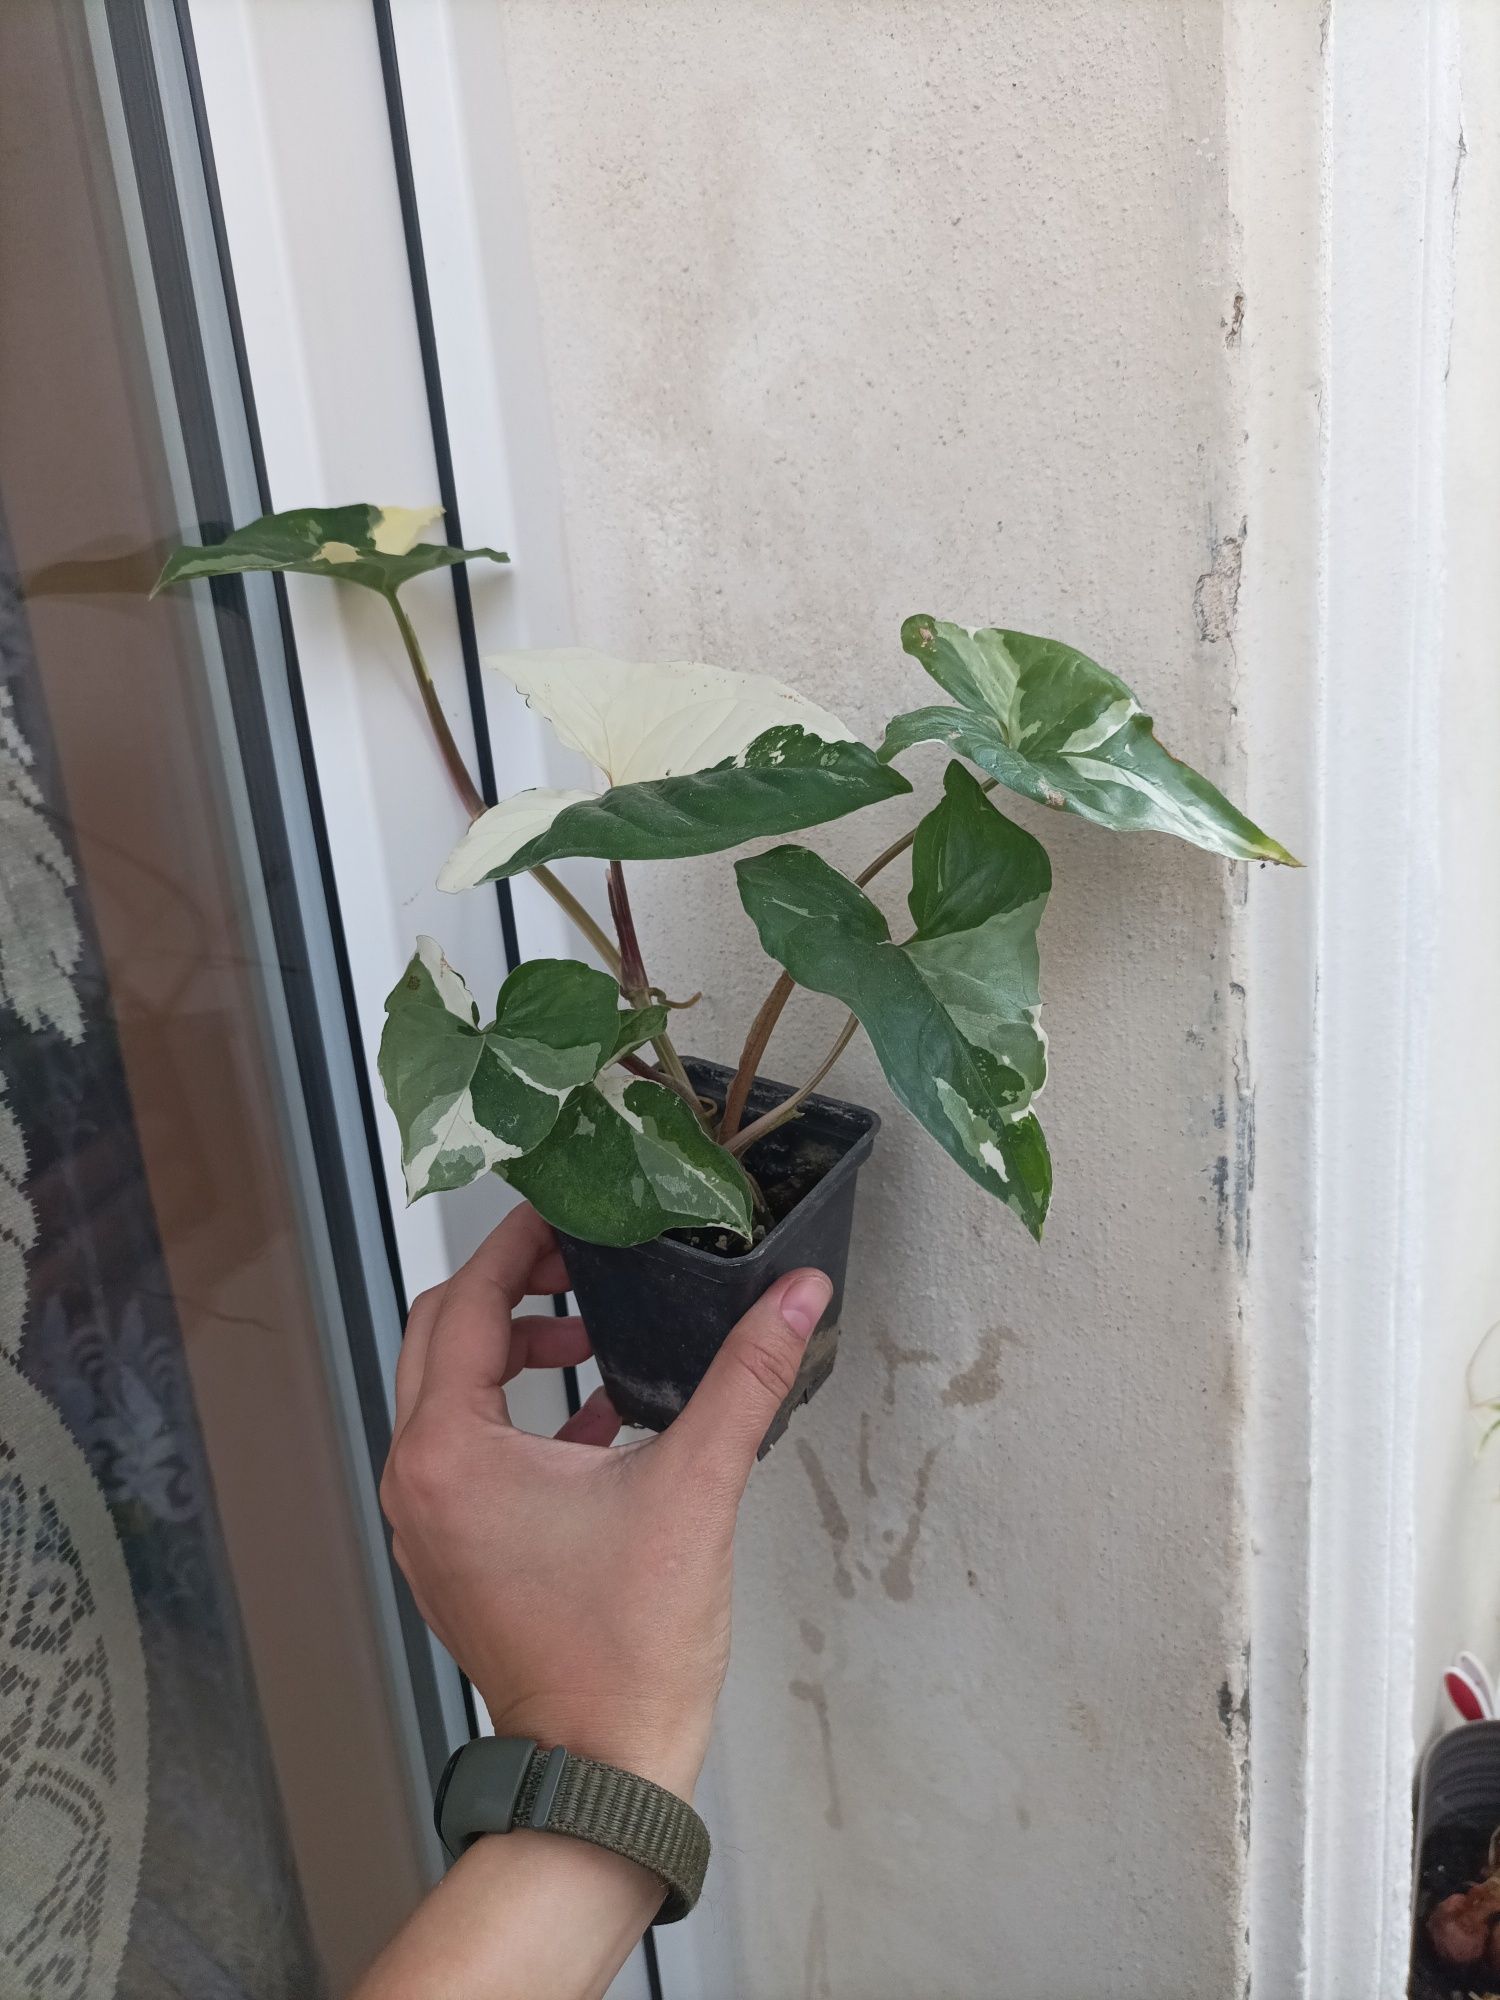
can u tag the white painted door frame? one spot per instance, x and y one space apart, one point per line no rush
1345 135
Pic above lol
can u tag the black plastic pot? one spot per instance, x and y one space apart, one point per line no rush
1458 1812
658 1313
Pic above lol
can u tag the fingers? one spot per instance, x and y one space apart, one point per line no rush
468 1348
594 1423
413 1355
542 1340
751 1376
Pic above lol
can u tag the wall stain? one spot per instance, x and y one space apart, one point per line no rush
895 1357
895 1575
866 1480
817 1976
835 1521
980 1381
1216 595
815 1693
1082 1718
812 1635
1233 325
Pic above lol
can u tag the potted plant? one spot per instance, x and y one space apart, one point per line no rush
681 1188
1456 1894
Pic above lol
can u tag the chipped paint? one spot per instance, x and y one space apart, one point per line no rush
1216 595
1234 1719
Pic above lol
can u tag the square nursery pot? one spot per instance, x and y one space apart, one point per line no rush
1458 1818
658 1312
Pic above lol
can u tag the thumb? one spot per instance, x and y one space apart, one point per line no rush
752 1375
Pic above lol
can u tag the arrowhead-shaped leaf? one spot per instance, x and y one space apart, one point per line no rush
784 780
469 1098
952 1013
698 759
1056 727
627 1160
979 884
373 546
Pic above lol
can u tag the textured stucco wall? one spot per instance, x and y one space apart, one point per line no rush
851 310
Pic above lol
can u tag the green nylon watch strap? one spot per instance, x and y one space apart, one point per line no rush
500 1783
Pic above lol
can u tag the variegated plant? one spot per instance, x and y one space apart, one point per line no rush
553 1092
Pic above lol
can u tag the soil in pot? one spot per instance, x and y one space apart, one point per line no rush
1454 1862
658 1313
787 1164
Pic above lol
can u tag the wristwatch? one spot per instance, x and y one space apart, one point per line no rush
500 1784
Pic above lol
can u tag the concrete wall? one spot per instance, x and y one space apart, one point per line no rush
851 310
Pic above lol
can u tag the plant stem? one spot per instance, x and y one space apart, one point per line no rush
633 981
636 987
775 1001
458 770
765 1021
472 799
769 1120
750 1055
569 904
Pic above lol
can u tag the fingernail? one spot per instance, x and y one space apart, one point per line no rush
803 1301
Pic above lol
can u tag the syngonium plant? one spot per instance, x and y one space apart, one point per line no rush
554 1092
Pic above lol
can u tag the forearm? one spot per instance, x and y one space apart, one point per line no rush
521 1914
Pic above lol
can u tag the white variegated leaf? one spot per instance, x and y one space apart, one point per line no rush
696 759
468 1099
952 1014
637 721
492 842
1056 727
626 1161
378 547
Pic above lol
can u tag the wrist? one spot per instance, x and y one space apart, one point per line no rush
668 1751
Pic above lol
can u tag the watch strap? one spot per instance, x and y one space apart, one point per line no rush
500 1784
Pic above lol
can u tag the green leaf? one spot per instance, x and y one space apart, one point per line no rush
784 780
952 1013
979 886
468 1098
627 1160
373 546
1055 727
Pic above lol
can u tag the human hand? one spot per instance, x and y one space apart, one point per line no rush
585 1592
